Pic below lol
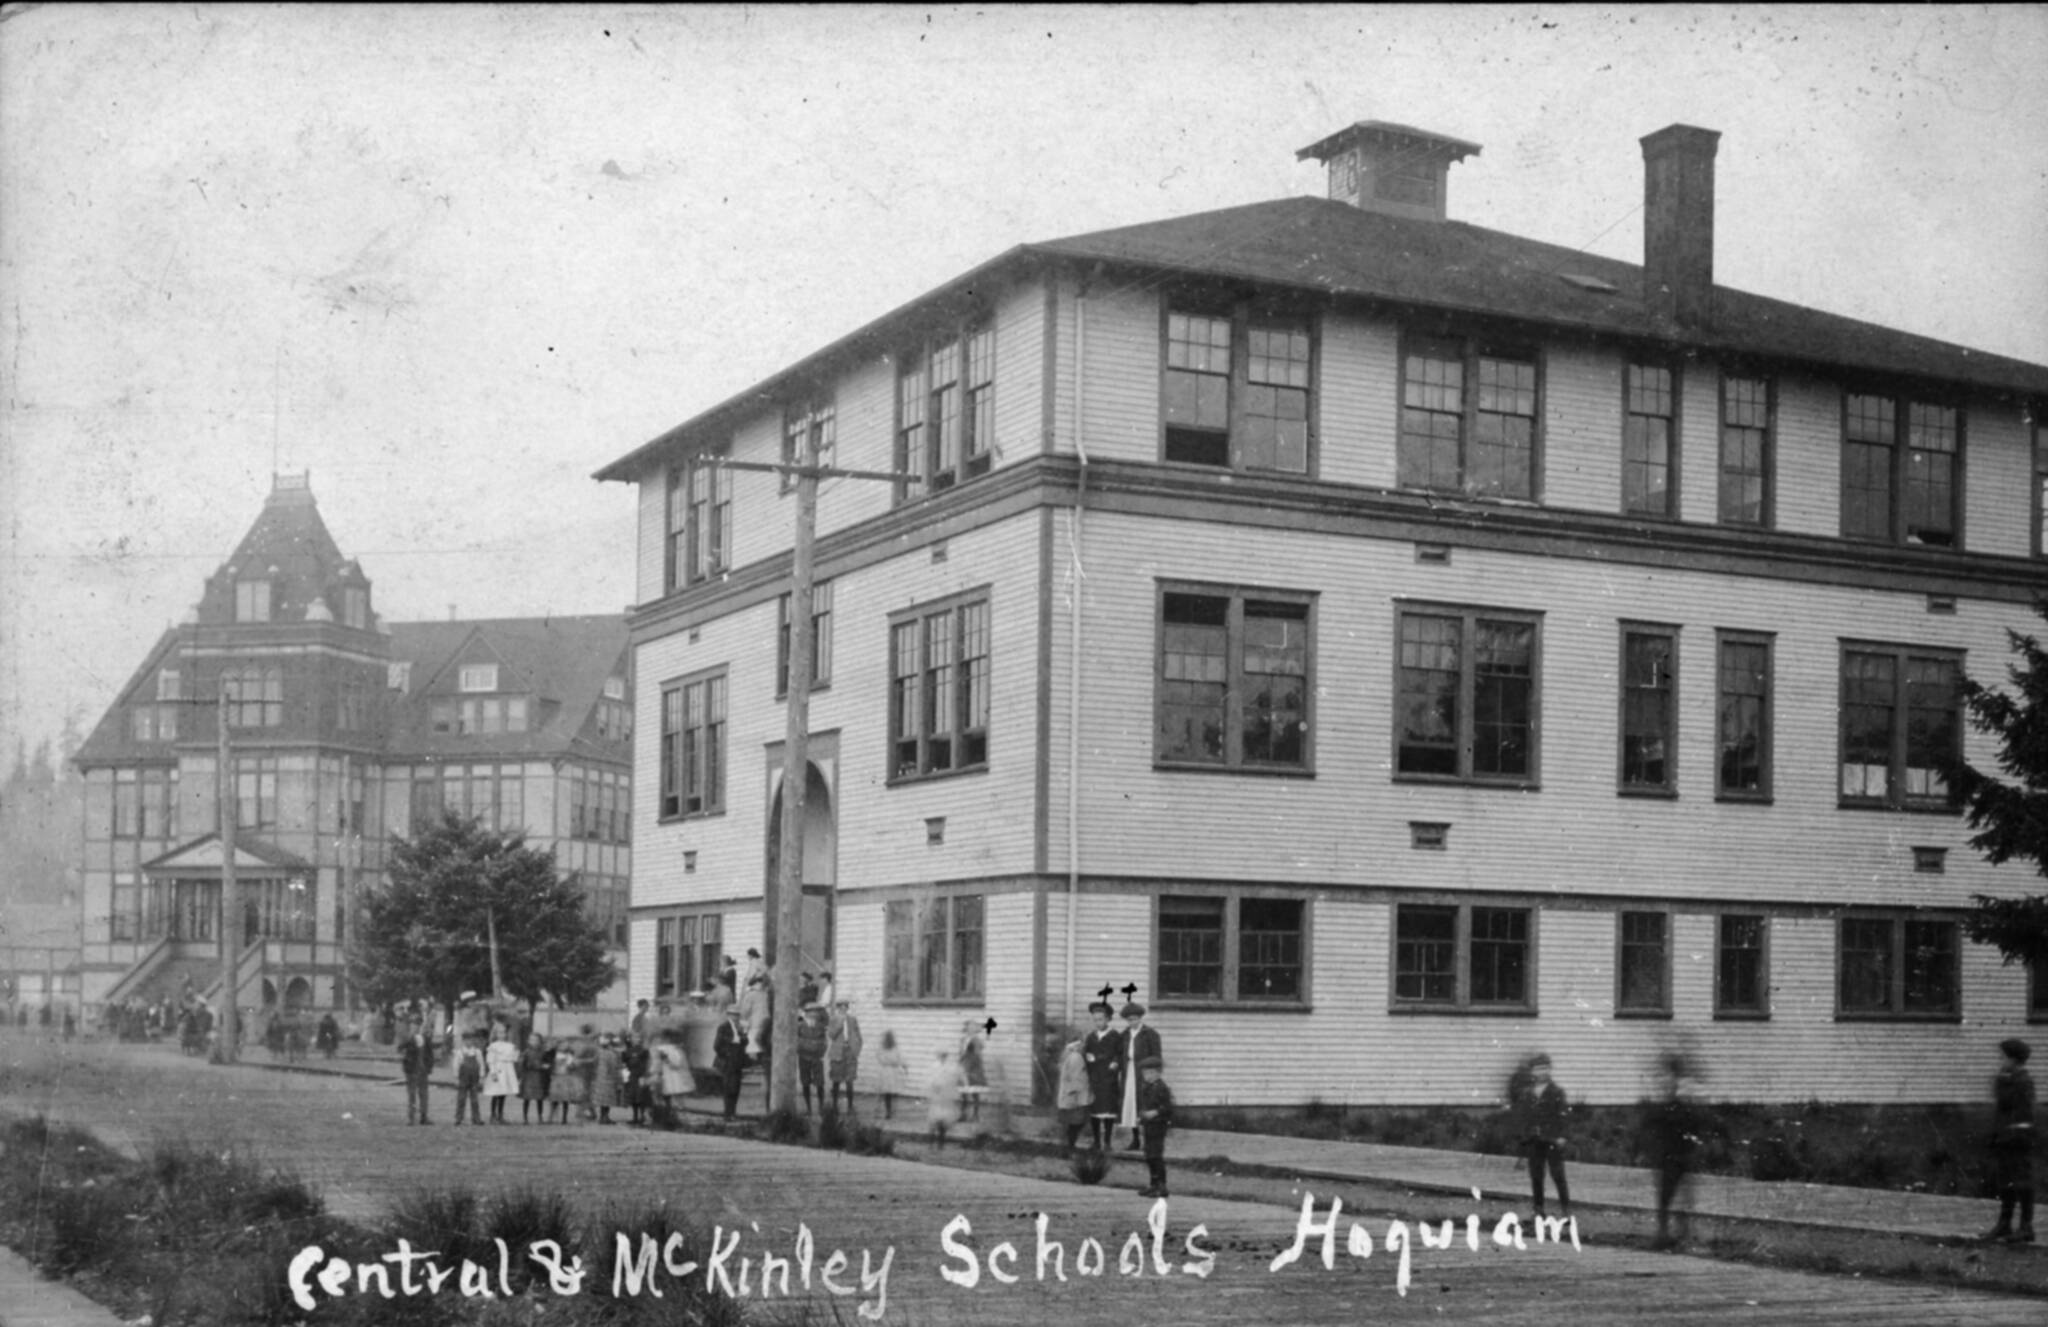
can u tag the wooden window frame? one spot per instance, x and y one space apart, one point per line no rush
1231 965
1472 349
1899 530
822 595
1767 476
686 952
1623 946
916 915
1245 317
1725 1007
967 399
2038 527
674 794
267 706
262 771
1468 617
1895 796
1671 509
2037 992
1667 786
1898 961
966 742
698 544
254 600
1461 942
1767 642
1236 598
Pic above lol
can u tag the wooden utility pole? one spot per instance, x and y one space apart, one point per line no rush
783 907
230 894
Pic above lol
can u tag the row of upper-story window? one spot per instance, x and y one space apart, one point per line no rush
1238 392
254 596
145 801
1251 948
1235 688
254 696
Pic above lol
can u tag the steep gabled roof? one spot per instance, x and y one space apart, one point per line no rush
1321 245
112 740
562 662
289 546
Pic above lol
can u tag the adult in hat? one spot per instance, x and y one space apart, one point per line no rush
1140 1043
2012 1143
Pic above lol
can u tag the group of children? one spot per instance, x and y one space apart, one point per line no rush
1114 1078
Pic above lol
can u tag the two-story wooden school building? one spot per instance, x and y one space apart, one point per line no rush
1393 645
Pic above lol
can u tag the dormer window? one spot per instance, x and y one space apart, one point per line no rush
478 677
252 601
398 675
615 688
167 684
355 607
1408 180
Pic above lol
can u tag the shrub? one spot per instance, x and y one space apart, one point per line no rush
528 1215
1772 1158
88 1224
1090 1165
831 1131
786 1126
870 1140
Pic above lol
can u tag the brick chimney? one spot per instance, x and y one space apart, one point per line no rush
1391 168
1678 223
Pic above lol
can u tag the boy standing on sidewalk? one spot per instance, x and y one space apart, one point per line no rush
1541 1104
2012 1143
1155 1117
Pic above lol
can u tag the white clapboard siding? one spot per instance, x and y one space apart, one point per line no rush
1581 402
864 422
1699 443
1020 373
1119 382
1349 824
651 548
1808 443
1359 385
1998 482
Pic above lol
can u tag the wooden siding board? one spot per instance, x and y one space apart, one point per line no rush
1020 370
1581 428
1809 456
1120 383
1359 400
652 547
1998 482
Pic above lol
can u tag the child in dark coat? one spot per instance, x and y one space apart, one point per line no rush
1541 1106
1155 1117
2012 1143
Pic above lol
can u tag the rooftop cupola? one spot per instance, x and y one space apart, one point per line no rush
1392 168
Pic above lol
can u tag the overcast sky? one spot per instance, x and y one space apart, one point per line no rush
451 261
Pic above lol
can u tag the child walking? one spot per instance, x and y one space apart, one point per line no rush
1155 1117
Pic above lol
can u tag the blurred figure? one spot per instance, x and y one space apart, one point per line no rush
842 1052
889 1073
2012 1143
1073 1099
942 1097
1675 1124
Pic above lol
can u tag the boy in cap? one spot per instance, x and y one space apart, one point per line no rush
1541 1104
2012 1143
811 1035
1155 1117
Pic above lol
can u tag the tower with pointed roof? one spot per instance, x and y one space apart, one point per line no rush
347 731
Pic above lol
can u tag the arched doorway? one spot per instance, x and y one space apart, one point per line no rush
821 866
298 993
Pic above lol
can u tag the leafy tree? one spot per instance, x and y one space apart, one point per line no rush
427 930
2010 814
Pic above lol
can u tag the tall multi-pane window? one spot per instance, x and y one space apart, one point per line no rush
1741 970
1649 709
1468 419
821 638
699 520
939 689
1234 669
1643 966
256 792
1743 716
1745 451
1901 725
946 410
1901 470
814 423
2040 486
252 601
934 949
1466 696
1649 441
1231 948
1237 387
1463 956
693 747
1897 966
255 695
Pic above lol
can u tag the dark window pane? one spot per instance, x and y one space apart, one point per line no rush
1428 702
1191 947
1195 675
1426 954
1866 965
1269 949
1500 956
